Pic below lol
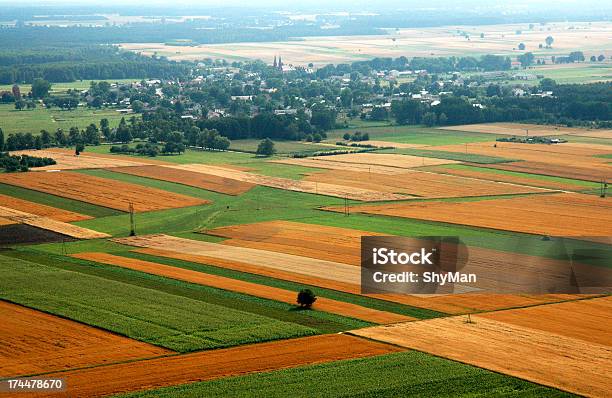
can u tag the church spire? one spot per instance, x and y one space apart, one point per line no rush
275 64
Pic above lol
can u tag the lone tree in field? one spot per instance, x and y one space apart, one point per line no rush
306 298
266 148
79 148
549 41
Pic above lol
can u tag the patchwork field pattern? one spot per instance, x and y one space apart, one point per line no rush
564 214
41 210
193 179
570 160
366 195
253 289
537 344
100 191
34 342
67 160
209 365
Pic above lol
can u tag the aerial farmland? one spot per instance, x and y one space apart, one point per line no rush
189 210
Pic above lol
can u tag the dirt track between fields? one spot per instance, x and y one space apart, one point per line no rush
252 289
41 210
35 342
100 191
209 365
199 180
533 345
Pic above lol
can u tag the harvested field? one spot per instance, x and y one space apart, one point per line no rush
49 224
565 214
366 195
421 184
589 319
593 173
252 289
35 342
100 191
607 134
284 262
66 160
315 241
199 180
5 221
41 210
520 129
570 153
208 365
391 160
532 181
336 276
537 355
319 163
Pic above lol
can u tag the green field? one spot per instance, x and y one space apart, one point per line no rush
168 320
413 135
62 88
282 147
404 374
576 74
34 120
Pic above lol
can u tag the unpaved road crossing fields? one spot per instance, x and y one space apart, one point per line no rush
208 365
41 210
528 343
252 289
34 342
564 214
199 180
100 191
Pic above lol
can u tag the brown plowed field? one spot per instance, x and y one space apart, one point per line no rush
19 217
41 210
421 184
199 180
340 191
593 173
300 270
35 342
535 130
565 214
541 353
252 289
67 160
513 179
208 365
100 191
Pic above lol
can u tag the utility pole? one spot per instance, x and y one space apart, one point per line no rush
346 206
132 221
603 188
